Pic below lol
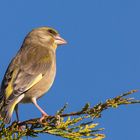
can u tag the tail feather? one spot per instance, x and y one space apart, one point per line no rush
7 110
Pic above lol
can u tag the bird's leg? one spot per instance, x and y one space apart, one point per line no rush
16 110
44 114
17 116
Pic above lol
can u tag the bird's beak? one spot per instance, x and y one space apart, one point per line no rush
59 40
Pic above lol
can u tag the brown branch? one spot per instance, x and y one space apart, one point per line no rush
93 111
71 128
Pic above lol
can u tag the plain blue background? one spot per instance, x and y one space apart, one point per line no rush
100 61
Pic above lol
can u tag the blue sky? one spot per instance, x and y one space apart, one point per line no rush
100 61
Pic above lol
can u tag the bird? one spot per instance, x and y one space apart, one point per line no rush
31 72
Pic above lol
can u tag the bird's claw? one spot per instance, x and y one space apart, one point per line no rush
43 117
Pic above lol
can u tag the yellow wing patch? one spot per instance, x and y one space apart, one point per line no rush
35 81
9 88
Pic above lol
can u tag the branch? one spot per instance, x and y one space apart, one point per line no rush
75 125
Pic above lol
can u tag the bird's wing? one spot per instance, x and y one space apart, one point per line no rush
25 70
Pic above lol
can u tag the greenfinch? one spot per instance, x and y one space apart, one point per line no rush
31 72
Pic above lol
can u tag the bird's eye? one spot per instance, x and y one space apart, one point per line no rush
52 31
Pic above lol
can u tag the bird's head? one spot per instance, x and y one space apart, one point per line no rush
48 36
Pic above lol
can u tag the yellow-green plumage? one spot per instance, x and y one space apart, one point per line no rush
9 88
31 72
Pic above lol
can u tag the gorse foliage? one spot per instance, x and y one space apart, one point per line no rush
74 126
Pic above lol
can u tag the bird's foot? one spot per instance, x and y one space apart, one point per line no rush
22 127
44 115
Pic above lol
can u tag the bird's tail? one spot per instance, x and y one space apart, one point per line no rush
7 111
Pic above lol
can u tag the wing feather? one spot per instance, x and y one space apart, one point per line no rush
25 70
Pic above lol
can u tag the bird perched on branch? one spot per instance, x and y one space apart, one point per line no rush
31 72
